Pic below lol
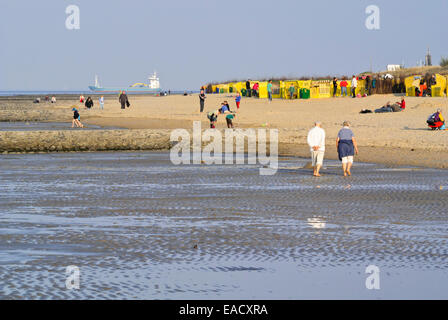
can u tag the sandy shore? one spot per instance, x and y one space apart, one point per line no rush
390 138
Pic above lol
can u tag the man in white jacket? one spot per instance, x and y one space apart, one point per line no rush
316 141
354 86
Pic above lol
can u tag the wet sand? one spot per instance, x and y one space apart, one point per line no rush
131 220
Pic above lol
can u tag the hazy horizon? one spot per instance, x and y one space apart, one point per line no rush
193 43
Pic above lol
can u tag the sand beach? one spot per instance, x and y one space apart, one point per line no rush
400 138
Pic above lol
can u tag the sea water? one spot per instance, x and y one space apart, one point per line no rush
139 227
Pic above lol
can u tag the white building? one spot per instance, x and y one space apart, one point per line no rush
393 67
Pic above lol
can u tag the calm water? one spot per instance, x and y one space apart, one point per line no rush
131 221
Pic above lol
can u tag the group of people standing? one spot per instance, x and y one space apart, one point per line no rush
343 84
345 144
254 91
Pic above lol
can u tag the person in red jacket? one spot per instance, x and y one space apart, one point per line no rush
343 86
402 104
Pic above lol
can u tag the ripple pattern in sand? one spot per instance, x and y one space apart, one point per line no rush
131 222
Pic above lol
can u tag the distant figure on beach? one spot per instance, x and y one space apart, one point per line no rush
343 86
202 98
213 117
291 91
347 147
47 98
76 119
402 103
123 100
270 91
335 86
81 98
101 101
316 141
225 108
368 86
255 89
432 82
248 91
422 90
229 119
436 120
53 99
373 86
354 86
238 100
89 103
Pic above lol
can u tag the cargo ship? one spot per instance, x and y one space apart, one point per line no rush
153 87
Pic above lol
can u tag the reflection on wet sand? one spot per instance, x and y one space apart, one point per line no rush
139 227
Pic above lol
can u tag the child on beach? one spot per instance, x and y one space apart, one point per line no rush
238 100
229 119
101 103
213 117
76 119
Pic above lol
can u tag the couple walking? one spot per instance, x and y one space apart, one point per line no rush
345 144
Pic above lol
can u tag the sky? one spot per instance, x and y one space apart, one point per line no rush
190 43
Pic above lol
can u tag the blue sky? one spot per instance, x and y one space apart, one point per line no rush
192 42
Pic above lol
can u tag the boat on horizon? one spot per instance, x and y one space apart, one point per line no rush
153 87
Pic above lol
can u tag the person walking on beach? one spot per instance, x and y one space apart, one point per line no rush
238 100
343 86
89 103
347 147
270 91
316 141
202 100
248 90
53 99
123 100
76 119
101 101
335 86
291 91
354 85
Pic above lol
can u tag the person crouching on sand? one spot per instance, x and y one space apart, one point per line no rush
347 147
229 119
225 108
316 141
213 117
76 119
